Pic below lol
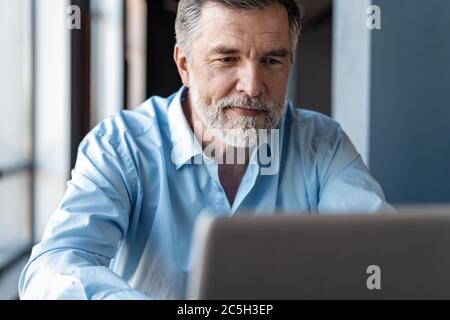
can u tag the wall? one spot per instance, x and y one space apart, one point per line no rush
410 101
391 93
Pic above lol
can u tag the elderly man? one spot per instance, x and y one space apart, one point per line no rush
226 142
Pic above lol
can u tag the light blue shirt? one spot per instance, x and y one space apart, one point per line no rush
123 229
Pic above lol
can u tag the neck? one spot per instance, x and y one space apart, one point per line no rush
232 165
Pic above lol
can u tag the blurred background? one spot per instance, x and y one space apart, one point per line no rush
389 88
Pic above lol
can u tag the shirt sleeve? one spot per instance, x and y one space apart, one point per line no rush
346 184
84 233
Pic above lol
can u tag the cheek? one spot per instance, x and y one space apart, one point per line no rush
277 85
219 83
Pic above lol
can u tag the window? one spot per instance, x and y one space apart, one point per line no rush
55 83
16 131
107 59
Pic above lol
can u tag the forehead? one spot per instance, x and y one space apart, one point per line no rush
263 27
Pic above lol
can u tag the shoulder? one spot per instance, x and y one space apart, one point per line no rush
312 129
132 124
114 144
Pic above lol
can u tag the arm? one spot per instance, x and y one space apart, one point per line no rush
84 233
346 184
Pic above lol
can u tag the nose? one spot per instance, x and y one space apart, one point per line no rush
250 80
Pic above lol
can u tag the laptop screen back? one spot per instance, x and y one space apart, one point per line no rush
404 256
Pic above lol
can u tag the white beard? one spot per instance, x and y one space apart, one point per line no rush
235 131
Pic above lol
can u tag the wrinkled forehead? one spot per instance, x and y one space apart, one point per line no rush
263 27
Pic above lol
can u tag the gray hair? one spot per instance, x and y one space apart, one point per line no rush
187 25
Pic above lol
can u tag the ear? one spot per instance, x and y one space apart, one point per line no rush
182 64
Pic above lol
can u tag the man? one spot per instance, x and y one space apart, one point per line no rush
123 229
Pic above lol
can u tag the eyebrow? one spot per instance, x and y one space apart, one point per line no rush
282 53
224 50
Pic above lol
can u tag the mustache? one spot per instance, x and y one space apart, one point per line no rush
246 102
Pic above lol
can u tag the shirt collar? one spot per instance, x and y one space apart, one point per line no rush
185 145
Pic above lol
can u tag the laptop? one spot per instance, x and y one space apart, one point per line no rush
357 256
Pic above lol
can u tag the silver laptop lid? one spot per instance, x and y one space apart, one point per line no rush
396 256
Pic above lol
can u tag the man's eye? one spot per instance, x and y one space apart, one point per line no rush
227 60
271 61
